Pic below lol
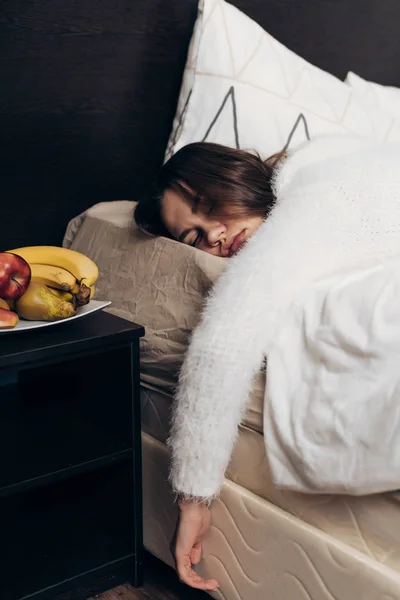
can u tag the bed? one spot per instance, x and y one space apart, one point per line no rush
264 542
92 103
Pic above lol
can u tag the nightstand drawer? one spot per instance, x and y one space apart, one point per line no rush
72 415
56 534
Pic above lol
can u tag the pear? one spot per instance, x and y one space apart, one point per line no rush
40 304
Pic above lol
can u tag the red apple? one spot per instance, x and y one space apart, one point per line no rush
15 276
8 318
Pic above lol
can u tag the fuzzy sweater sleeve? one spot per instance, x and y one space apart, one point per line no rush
225 352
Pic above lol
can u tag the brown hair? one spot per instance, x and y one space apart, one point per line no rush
216 180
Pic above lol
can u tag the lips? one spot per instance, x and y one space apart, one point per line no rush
237 243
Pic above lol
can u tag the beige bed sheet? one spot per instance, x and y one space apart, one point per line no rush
371 524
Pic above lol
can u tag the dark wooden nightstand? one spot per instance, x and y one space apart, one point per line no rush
70 457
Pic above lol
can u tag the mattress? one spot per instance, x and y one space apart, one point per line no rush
258 551
370 524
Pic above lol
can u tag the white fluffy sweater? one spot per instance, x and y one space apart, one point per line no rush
338 206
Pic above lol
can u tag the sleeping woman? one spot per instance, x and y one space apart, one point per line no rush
210 197
287 221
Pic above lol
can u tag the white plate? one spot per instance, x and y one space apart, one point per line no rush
22 325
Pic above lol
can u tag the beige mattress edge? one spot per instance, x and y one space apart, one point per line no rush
256 550
370 524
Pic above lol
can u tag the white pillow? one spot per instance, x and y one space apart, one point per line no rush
384 97
243 88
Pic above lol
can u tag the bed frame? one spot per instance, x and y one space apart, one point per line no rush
89 90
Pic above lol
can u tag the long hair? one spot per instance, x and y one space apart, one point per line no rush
216 180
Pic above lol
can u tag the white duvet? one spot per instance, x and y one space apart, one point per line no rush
332 417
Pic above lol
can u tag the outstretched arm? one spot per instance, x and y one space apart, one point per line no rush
225 352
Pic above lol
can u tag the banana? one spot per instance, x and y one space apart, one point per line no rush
69 296
81 266
55 277
66 296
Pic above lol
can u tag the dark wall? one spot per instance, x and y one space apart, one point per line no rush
89 90
88 93
336 35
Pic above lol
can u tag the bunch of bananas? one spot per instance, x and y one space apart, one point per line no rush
62 280
67 271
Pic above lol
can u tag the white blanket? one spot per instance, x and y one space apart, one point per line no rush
332 411
332 401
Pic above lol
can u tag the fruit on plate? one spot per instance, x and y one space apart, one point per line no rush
15 275
82 267
61 282
55 277
4 304
39 303
8 318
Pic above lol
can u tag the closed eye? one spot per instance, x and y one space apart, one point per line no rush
197 239
186 237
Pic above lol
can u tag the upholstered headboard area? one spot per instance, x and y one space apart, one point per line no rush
89 91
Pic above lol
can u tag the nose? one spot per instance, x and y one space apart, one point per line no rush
215 233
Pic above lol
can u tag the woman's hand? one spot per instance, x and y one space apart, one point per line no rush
194 523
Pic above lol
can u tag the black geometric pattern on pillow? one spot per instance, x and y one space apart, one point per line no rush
230 96
300 118
178 128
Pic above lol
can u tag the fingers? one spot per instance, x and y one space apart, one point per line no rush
187 575
191 578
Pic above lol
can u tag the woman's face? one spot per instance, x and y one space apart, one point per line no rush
224 236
